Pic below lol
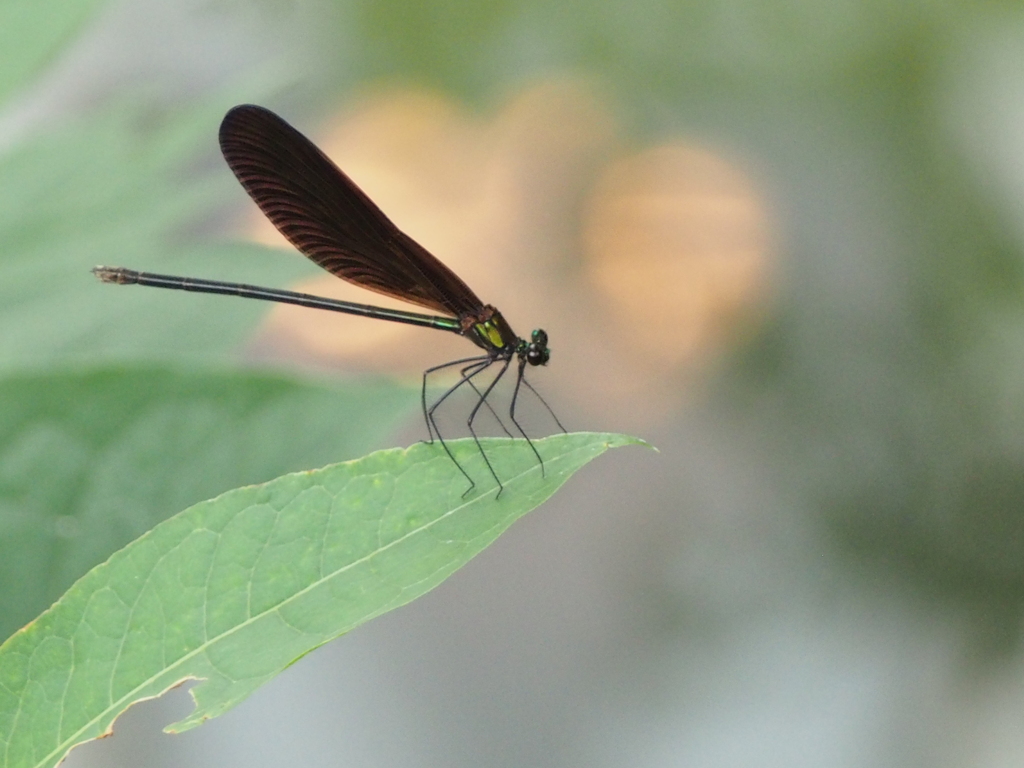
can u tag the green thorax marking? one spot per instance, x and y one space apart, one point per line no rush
490 331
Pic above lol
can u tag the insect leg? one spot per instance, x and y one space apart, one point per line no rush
520 379
423 390
544 402
472 415
487 403
482 364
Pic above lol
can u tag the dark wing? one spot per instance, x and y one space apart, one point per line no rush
327 217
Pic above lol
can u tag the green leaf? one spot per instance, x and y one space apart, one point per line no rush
233 590
89 461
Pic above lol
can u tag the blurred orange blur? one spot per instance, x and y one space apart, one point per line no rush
641 266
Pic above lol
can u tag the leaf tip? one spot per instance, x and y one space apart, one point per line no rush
616 440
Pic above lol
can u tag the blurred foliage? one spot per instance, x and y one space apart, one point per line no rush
112 189
656 55
33 33
885 383
92 460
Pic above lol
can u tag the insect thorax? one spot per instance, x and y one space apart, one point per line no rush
489 330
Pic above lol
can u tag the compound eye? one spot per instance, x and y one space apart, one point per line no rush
536 355
537 352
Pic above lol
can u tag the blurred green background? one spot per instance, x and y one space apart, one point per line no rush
782 241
